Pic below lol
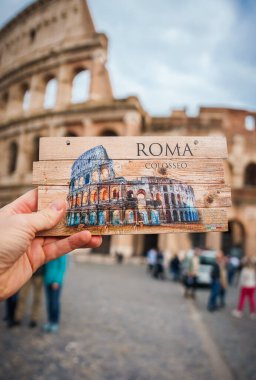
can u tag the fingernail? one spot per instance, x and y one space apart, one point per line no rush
57 205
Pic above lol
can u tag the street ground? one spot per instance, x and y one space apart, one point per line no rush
120 324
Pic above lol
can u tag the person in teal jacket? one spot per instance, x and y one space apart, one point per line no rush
53 278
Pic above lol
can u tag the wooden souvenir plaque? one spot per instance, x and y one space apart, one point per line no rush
131 185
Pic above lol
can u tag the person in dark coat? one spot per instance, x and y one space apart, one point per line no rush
175 268
215 283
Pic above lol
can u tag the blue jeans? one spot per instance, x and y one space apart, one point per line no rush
214 294
53 303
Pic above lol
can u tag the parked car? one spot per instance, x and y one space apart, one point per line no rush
206 261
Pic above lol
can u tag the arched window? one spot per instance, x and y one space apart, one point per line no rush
158 197
70 134
4 100
175 216
3 103
141 194
93 196
25 98
104 173
79 200
13 157
85 198
35 150
108 132
114 193
129 194
249 123
250 175
95 176
50 93
80 87
103 194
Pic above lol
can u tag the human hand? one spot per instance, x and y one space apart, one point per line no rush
21 252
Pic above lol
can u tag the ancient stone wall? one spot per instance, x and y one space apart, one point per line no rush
54 82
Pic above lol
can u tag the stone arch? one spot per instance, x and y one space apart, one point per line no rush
129 216
13 157
79 200
4 102
80 85
233 240
141 193
35 150
198 240
104 173
250 174
70 134
175 216
108 132
104 194
158 197
116 217
25 96
249 123
129 194
173 199
93 196
95 176
115 192
50 95
85 198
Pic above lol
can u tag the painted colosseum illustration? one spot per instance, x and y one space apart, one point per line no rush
97 197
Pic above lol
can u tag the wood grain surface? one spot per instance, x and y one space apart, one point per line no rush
70 148
210 196
184 170
181 163
214 219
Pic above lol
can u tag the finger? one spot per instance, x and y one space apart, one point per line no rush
46 218
97 240
23 205
94 243
60 247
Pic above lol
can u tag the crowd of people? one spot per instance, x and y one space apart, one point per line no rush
225 271
50 276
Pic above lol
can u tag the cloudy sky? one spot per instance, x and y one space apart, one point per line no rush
176 53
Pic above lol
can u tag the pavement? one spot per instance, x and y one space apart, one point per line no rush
120 324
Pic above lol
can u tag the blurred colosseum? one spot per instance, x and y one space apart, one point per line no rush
54 82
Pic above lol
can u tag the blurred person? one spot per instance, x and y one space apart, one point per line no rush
21 252
247 284
215 282
119 258
223 281
151 259
11 305
53 279
233 266
158 270
191 272
36 284
174 268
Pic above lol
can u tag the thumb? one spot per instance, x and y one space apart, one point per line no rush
48 217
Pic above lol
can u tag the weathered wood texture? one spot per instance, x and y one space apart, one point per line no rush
70 148
206 196
210 220
157 184
184 170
